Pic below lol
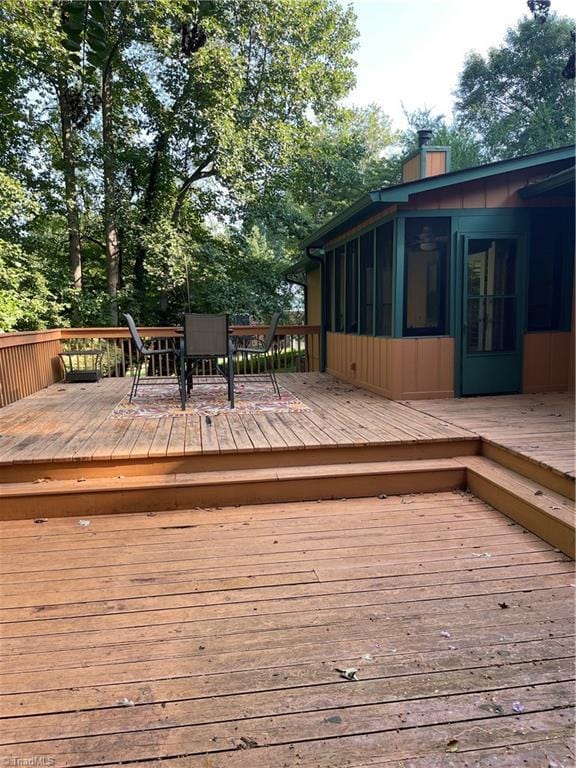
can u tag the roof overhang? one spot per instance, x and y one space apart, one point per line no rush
558 185
297 272
373 202
359 209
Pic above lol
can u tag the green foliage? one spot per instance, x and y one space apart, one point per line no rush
515 98
209 104
224 145
26 301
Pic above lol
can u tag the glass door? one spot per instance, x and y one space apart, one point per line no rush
491 355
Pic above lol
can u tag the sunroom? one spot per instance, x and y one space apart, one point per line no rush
450 284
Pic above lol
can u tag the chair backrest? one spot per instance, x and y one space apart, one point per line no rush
205 335
269 338
139 344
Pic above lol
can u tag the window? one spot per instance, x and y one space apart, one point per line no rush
367 283
550 278
328 298
339 287
352 286
425 276
384 263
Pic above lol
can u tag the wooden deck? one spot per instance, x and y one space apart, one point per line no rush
539 427
72 422
212 638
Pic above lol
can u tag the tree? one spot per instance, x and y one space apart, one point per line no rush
515 98
334 162
42 82
225 118
145 131
25 297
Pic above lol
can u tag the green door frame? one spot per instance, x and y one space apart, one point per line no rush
512 227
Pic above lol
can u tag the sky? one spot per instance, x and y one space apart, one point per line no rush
411 51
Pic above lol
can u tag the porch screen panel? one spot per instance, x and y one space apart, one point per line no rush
367 283
551 270
352 286
491 295
384 265
425 276
329 293
339 287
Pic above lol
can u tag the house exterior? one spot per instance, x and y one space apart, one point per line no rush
450 284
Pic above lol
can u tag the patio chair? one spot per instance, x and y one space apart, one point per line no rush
143 355
263 348
206 337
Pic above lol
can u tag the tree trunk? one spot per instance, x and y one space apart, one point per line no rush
70 187
150 197
111 236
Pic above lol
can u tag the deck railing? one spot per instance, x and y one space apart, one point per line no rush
29 360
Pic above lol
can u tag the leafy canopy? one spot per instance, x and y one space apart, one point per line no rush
515 98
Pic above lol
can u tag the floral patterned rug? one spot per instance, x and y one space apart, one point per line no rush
208 397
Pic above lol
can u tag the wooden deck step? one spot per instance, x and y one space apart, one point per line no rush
106 495
544 512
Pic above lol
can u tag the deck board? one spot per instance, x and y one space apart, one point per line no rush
68 422
540 427
225 628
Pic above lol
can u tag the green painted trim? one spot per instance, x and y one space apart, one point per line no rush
322 340
398 280
358 281
522 238
457 304
375 274
560 179
423 153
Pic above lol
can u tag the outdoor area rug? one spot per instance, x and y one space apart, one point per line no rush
210 397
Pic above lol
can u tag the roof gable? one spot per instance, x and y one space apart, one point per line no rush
401 193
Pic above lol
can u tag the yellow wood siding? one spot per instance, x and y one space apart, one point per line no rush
314 314
314 298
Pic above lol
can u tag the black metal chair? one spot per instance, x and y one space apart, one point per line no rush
206 337
144 354
262 348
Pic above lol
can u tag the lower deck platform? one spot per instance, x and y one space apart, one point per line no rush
215 638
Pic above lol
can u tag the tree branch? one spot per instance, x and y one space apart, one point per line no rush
198 174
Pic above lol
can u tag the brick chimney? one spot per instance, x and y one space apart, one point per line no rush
427 160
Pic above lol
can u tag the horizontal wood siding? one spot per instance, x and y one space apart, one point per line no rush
28 362
400 369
